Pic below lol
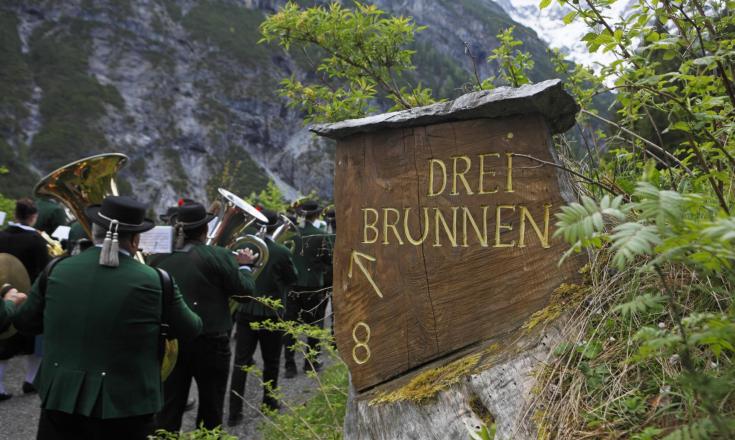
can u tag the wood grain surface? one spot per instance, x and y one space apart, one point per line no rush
449 290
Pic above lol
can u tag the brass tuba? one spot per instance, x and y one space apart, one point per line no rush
235 216
82 183
87 182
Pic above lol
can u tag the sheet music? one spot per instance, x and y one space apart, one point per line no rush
158 240
211 225
3 214
61 233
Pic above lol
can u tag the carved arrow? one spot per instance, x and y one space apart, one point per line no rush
356 258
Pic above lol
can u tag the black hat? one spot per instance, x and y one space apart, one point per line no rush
273 218
128 212
307 207
170 212
329 213
191 216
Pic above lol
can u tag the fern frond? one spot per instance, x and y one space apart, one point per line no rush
702 429
722 229
640 304
661 206
632 239
580 221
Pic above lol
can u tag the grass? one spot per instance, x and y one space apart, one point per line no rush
595 386
318 418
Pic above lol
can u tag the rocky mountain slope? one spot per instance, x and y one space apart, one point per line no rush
183 88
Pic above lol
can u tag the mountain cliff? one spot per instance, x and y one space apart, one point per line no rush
184 89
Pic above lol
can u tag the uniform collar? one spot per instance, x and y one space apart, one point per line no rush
21 226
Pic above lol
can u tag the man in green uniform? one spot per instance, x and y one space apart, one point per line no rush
307 300
208 277
272 283
101 313
50 215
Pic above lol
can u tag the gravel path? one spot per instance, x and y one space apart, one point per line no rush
19 415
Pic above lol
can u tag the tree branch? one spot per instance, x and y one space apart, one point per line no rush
642 139
609 189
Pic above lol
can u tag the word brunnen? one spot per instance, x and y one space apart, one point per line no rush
458 226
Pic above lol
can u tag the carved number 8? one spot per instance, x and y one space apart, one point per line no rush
361 344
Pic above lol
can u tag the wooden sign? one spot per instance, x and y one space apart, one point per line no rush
444 226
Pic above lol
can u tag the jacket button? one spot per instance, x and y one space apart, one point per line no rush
195 303
56 364
104 373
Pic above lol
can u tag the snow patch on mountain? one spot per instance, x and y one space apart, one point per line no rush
549 25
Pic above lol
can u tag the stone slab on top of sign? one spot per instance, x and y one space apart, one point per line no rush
445 235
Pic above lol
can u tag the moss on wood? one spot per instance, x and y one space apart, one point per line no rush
562 298
426 385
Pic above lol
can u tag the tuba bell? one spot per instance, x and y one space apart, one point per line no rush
87 182
235 216
286 232
82 183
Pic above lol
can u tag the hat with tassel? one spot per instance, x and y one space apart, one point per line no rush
189 216
117 214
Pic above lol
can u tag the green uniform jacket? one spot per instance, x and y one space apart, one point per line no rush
7 309
277 275
101 329
50 216
310 256
77 232
207 276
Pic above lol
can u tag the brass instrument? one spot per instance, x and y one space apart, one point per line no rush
286 232
234 216
12 273
233 219
87 182
52 246
82 183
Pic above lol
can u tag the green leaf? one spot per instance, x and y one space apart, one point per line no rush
569 17
632 239
641 304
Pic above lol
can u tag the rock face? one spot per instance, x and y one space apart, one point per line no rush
183 88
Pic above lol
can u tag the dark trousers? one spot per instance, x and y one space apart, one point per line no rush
57 425
307 307
206 359
270 349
